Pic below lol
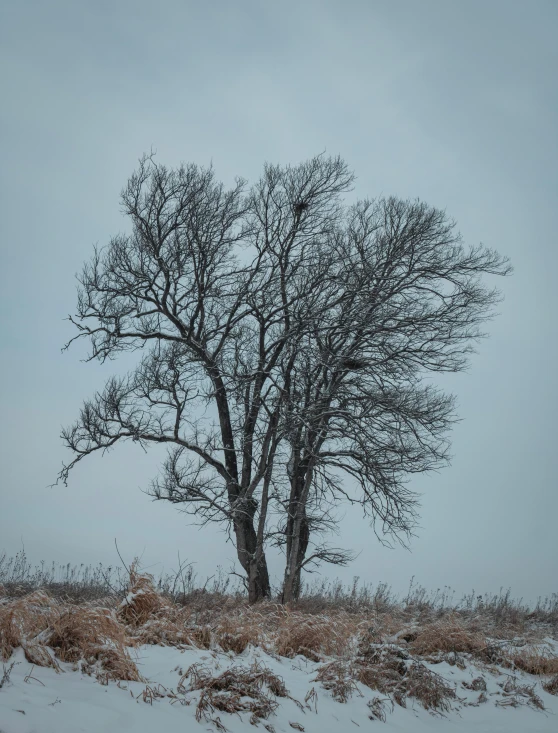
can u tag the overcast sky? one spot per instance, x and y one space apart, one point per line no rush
450 101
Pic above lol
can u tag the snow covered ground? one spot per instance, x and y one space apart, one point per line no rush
40 700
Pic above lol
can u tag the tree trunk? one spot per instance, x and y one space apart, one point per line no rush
304 539
258 582
292 584
298 537
246 546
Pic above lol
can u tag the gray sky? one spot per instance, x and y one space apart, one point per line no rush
452 102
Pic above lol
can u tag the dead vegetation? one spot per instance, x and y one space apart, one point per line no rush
6 673
239 689
378 707
142 602
551 686
96 637
537 661
338 678
515 694
448 634
358 639
48 631
394 672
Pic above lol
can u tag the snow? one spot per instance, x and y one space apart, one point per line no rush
72 702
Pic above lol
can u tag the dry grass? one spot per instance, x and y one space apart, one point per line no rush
431 690
40 625
142 601
514 695
305 636
551 686
23 619
391 670
377 707
39 654
6 672
401 679
478 684
316 637
239 689
371 640
163 631
236 634
448 634
337 677
536 661
93 635
382 668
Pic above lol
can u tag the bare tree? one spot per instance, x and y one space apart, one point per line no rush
217 288
285 342
406 300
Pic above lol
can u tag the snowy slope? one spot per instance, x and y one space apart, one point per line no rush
72 702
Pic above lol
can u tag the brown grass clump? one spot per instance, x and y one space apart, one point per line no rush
169 626
37 622
337 678
431 690
94 635
142 601
551 686
201 637
315 636
301 636
383 668
161 632
448 634
235 635
390 670
23 619
238 689
536 661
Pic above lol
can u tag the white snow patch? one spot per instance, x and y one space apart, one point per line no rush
72 702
